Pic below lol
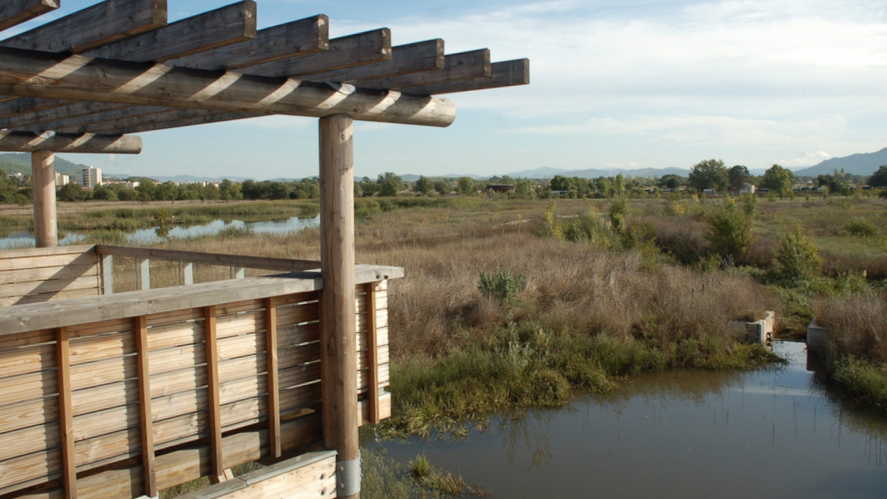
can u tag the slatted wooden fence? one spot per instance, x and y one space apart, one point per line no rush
149 389
43 274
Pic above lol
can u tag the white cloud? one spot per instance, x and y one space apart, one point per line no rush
807 159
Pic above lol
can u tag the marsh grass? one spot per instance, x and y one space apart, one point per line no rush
385 478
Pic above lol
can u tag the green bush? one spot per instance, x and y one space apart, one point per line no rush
501 286
797 258
730 230
860 227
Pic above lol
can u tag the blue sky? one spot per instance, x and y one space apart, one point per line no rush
630 84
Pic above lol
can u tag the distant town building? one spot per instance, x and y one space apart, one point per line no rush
89 177
61 179
125 183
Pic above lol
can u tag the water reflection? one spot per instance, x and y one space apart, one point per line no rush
770 433
159 234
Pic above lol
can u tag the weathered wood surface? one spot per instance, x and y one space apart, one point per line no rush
503 74
94 26
40 74
405 59
44 274
292 39
46 231
457 67
68 143
254 262
15 12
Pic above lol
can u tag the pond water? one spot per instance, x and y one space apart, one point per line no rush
770 433
149 236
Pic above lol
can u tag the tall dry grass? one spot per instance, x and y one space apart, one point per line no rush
857 325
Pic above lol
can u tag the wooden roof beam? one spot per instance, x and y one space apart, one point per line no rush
29 73
93 26
15 12
293 39
504 74
224 26
457 67
69 143
405 59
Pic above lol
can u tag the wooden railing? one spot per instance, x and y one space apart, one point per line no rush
149 389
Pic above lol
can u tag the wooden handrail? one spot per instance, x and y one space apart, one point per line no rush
254 262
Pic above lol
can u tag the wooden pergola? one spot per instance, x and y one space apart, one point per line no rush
83 83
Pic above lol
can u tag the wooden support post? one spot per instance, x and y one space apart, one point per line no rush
239 272
144 273
372 354
188 271
107 274
273 381
215 415
147 428
46 230
66 414
337 307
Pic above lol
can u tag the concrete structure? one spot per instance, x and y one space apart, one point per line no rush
89 177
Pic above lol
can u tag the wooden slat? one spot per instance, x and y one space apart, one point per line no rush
27 360
15 12
457 67
28 386
145 413
32 469
48 273
40 142
66 415
30 338
349 51
405 59
60 259
114 370
28 413
504 74
104 397
47 297
273 382
212 376
253 262
52 286
93 26
292 39
372 354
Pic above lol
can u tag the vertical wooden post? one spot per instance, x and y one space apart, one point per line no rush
46 230
107 274
66 414
372 354
144 273
239 272
338 321
273 381
212 375
188 271
145 417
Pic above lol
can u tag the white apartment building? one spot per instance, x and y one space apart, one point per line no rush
89 177
61 179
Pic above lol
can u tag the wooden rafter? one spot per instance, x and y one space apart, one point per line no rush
15 12
27 73
504 74
69 143
457 67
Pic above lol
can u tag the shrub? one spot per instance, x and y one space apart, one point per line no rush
860 227
730 230
797 257
501 286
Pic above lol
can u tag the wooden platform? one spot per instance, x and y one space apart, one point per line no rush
127 394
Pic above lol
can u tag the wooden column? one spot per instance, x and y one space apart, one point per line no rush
145 417
337 307
43 176
273 380
212 376
66 414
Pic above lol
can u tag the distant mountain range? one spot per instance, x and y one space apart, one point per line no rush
855 164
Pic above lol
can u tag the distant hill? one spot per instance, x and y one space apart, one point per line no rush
548 172
855 164
21 162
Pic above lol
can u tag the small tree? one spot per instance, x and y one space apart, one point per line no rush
424 186
389 184
466 186
797 258
442 188
709 174
738 175
778 179
879 178
730 231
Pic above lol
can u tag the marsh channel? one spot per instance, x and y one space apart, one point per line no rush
773 433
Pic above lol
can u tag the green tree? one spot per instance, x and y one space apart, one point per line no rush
619 185
466 186
737 176
442 188
797 257
104 193
709 174
522 188
389 184
72 192
229 190
730 230
879 178
561 183
670 181
424 186
778 179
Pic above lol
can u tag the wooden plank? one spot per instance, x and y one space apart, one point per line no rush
66 415
405 59
60 259
105 397
48 273
32 469
13 254
173 382
212 376
28 386
107 266
15 12
33 412
175 335
504 74
253 262
48 287
29 440
48 297
93 26
38 316
239 307
292 39
42 142
30 338
145 414
457 67
297 376
27 360
272 373
345 52
143 273
372 354
209 30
